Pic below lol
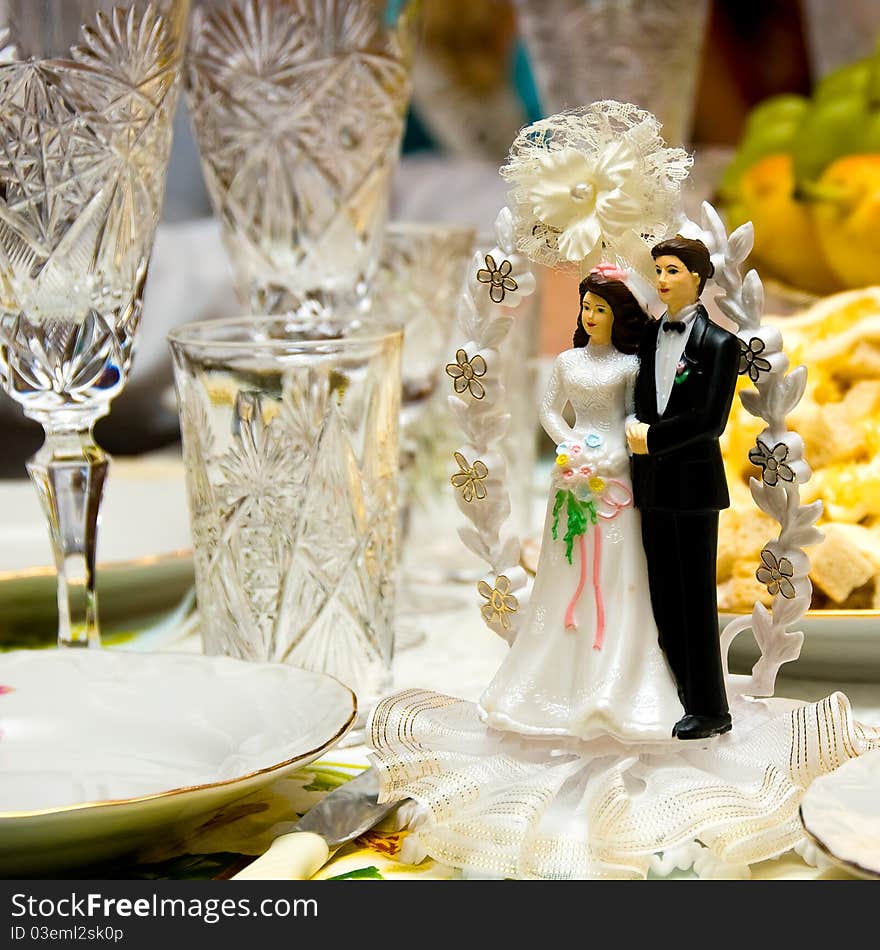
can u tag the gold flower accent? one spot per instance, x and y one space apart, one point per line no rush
500 602
464 373
597 484
750 360
469 478
497 276
776 575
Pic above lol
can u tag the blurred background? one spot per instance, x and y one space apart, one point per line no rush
481 73
779 101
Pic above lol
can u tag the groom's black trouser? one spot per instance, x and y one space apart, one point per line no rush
681 549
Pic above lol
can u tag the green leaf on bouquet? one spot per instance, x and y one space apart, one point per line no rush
560 499
579 515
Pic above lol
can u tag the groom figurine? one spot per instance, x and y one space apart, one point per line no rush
683 394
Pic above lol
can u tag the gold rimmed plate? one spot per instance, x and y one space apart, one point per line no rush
840 811
104 749
838 645
145 563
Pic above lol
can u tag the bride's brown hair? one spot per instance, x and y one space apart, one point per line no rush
629 320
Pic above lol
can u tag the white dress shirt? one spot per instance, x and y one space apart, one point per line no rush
670 348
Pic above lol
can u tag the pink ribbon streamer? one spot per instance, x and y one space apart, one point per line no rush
597 590
570 621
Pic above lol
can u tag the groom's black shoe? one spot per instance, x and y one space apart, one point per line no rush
701 727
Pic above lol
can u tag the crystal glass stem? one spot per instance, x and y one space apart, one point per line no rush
69 473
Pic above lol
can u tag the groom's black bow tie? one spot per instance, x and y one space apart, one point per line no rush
676 326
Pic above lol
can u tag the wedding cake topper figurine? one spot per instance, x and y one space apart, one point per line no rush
590 666
572 762
685 388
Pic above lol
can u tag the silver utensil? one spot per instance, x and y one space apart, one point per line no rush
348 811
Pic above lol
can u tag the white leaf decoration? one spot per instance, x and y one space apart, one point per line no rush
505 231
714 225
485 422
730 308
496 332
509 554
775 402
458 407
782 647
769 498
495 427
752 402
753 296
474 542
787 611
740 243
773 398
468 316
794 385
762 624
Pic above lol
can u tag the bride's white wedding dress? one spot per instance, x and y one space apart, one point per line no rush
554 681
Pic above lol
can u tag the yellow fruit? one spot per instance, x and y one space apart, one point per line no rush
846 210
786 240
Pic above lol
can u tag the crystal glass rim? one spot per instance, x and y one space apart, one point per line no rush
442 229
242 331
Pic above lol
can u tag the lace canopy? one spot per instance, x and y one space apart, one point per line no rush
594 183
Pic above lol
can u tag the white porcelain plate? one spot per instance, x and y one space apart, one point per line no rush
144 552
841 811
103 749
838 645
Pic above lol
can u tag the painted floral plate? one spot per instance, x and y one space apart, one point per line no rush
103 750
841 812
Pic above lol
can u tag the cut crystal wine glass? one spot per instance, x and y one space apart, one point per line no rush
87 94
298 108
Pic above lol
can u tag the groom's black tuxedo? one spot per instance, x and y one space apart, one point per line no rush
679 487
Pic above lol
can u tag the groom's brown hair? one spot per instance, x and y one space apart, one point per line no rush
691 252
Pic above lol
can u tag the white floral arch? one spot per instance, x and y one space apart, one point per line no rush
614 150
480 795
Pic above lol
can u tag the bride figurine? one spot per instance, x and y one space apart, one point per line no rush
586 662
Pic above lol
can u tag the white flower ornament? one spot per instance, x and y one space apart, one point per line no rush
594 183
584 197
506 278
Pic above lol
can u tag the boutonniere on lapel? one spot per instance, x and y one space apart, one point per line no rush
682 370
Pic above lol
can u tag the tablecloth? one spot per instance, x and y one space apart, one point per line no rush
456 654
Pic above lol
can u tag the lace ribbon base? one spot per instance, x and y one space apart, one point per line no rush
507 805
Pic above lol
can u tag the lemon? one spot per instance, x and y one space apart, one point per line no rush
786 238
847 218
770 128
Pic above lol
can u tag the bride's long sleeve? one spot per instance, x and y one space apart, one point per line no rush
629 402
552 406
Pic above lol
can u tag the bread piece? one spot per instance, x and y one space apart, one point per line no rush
844 561
742 531
863 361
823 442
850 492
862 399
865 539
739 593
839 420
